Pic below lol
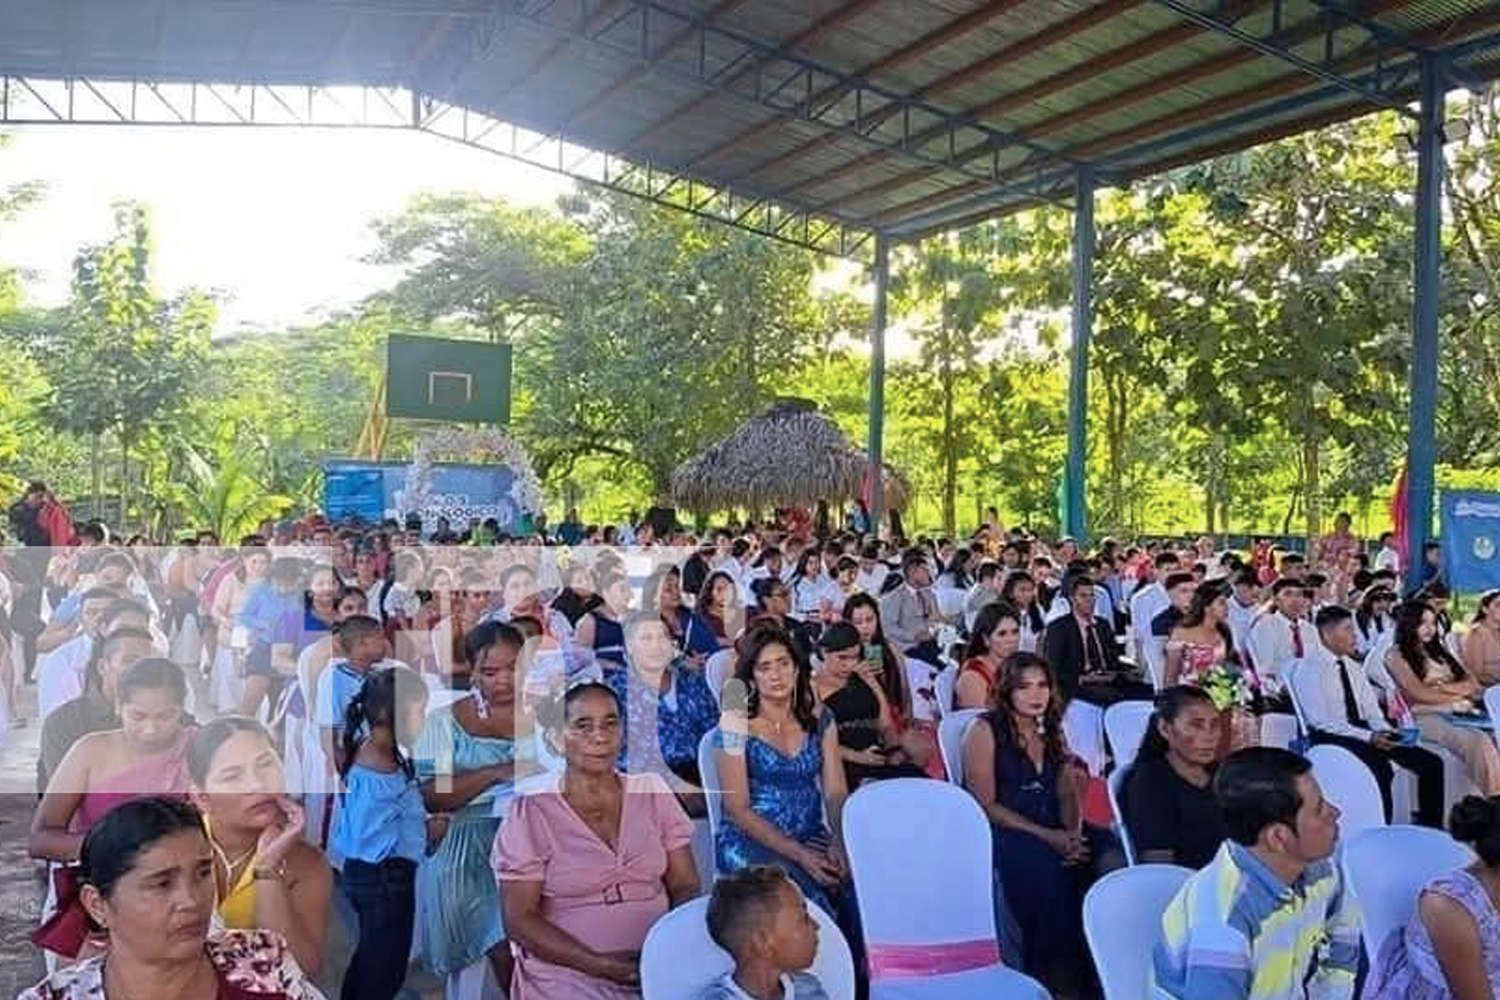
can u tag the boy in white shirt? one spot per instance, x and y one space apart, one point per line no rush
759 916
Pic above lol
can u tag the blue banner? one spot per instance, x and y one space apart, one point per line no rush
458 492
1471 540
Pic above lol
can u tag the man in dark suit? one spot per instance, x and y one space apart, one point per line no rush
1082 650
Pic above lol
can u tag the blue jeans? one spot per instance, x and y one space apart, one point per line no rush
385 900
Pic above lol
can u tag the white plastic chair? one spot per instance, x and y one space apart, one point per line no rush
1386 869
945 688
1116 785
679 958
1292 675
926 899
1125 724
1348 784
708 777
951 741
1154 649
1492 706
716 670
1083 725
1277 729
1122 922
474 982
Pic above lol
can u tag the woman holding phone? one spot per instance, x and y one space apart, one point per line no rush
269 877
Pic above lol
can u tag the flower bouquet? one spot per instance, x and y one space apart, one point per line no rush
1228 685
1232 690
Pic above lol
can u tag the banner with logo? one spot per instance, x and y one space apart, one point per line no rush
1471 539
459 492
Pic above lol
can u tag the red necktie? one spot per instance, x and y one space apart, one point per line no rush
1297 639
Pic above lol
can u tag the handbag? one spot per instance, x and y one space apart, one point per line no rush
65 932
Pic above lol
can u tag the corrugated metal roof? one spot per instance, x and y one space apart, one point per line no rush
901 115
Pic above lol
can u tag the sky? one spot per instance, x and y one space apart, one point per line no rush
273 220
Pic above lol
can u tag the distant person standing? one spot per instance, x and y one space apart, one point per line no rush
1336 549
40 522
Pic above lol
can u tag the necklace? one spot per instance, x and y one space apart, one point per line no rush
231 868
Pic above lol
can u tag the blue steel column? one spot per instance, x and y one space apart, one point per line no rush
1075 522
1421 449
876 472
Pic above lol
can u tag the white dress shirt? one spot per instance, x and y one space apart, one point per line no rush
1321 695
1145 604
1241 616
60 674
1272 646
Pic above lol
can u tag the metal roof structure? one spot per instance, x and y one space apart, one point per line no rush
837 125
816 121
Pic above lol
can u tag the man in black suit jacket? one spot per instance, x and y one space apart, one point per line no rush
1082 650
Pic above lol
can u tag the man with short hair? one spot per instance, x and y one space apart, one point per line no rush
1244 605
909 614
1342 710
1268 918
1180 589
1081 647
1150 598
93 711
60 672
986 591
1281 635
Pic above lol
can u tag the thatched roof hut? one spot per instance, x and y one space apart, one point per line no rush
788 456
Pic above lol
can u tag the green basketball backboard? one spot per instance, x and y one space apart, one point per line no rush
462 381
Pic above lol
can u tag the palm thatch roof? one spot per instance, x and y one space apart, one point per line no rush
788 456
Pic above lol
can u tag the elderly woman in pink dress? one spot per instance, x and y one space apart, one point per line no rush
588 862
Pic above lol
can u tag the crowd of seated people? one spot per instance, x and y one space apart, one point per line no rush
488 757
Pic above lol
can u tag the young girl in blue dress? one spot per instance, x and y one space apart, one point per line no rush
382 828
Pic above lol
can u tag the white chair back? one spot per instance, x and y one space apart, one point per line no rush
1492 706
1294 675
1122 922
679 959
1277 729
1348 784
716 670
1154 649
1116 785
1083 725
1125 724
1375 669
708 777
926 898
945 687
1387 867
951 741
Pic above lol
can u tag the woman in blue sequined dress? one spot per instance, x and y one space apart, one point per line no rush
779 766
466 761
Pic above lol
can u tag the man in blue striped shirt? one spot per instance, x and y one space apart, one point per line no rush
1268 918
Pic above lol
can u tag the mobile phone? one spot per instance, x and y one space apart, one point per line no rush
873 652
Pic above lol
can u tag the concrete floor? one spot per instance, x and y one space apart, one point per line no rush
22 880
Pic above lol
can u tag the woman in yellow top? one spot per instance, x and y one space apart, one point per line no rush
268 876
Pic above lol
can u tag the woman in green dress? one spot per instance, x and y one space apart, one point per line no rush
466 760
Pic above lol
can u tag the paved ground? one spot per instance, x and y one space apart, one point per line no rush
22 885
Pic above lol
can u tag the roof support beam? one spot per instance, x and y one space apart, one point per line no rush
932 40
1322 70
1060 32
37 101
612 90
1124 56
829 22
1106 151
784 82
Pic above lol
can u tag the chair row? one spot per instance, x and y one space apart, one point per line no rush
928 923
